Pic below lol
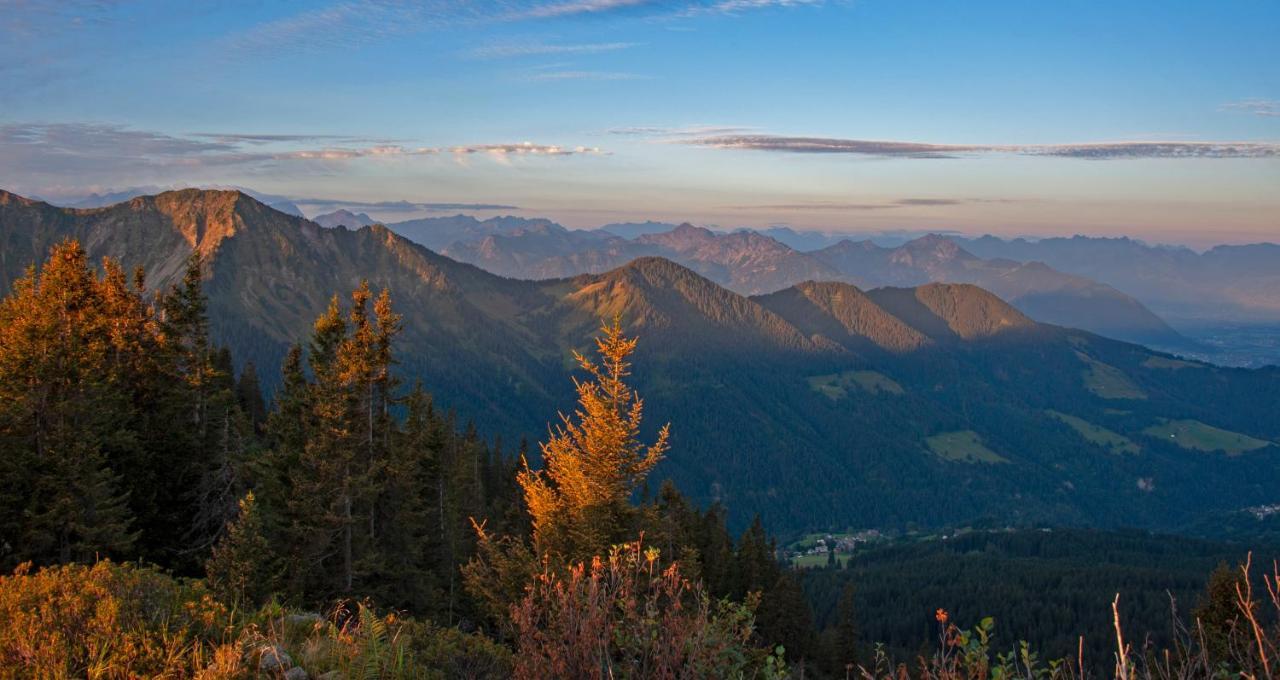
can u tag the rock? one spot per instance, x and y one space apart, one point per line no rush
332 675
273 659
295 673
303 620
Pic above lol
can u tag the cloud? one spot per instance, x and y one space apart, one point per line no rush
526 149
548 10
360 22
587 75
735 6
1268 108
919 150
677 132
542 49
852 207
235 137
80 154
400 206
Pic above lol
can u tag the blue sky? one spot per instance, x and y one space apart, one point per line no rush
1153 119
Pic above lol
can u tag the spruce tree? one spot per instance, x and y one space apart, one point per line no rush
65 416
242 568
846 642
249 397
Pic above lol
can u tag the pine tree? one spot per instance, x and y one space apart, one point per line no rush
341 432
756 564
594 460
64 414
1218 612
784 617
242 568
185 327
409 565
321 494
846 642
249 397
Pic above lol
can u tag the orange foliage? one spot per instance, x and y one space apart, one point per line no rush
594 459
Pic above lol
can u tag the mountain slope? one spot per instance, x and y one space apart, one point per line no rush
945 310
753 263
744 261
818 407
1035 288
844 314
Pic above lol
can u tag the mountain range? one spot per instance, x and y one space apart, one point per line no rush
753 263
1239 283
819 406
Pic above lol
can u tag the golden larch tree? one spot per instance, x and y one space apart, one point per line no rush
593 459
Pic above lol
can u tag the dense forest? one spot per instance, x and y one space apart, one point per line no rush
159 517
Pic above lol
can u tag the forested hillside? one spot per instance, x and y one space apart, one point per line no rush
820 407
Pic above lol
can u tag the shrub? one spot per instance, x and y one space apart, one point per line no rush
627 617
111 621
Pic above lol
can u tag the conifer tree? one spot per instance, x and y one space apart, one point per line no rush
846 642
242 566
1218 612
756 564
594 460
185 326
63 414
784 617
249 396
409 561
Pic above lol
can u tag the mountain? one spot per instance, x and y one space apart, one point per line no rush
799 240
545 250
439 232
843 314
343 217
631 230
752 263
819 407
744 261
1038 290
1223 284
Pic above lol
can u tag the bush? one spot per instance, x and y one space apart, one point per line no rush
627 617
111 621
114 620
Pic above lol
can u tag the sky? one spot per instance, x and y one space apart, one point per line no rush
1156 120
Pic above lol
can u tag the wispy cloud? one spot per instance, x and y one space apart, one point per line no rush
834 206
587 75
919 150
736 6
399 206
237 138
360 22
87 153
562 8
527 149
659 131
510 50
1269 108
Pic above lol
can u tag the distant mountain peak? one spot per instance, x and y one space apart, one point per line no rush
935 247
343 217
